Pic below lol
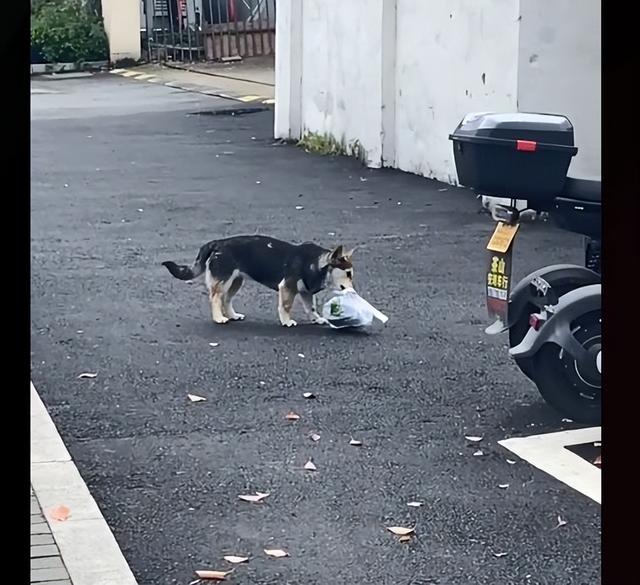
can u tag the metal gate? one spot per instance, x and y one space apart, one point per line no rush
212 30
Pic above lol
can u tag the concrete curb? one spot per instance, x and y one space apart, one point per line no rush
222 75
41 68
192 88
87 545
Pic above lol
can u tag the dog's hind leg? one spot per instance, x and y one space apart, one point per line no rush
308 302
231 288
216 289
286 296
216 296
218 279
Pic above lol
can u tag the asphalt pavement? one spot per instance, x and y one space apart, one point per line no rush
126 175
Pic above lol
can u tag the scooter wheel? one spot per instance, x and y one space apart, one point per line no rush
574 393
520 328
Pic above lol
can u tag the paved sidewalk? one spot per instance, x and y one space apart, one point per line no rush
252 88
258 70
78 548
46 562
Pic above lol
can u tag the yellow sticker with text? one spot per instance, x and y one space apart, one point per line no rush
502 237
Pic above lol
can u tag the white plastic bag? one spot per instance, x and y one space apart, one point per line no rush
349 309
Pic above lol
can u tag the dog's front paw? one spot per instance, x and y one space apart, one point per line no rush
319 320
289 323
238 317
221 320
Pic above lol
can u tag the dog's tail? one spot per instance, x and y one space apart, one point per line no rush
184 272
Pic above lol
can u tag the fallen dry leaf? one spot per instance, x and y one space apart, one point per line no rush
567 420
258 497
276 552
561 522
414 504
87 375
511 462
500 554
236 560
309 395
60 514
196 398
400 530
315 437
473 439
292 416
404 539
598 460
300 355
310 466
299 207
213 575
355 443
503 486
478 453
214 344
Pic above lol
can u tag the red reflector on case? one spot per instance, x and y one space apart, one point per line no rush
526 145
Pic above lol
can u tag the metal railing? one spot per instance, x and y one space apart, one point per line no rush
212 30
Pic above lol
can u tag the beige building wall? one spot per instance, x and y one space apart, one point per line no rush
122 23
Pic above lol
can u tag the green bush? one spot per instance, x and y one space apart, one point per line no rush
66 31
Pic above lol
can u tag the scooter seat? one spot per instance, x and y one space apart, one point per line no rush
582 190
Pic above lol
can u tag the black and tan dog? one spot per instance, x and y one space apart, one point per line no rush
290 269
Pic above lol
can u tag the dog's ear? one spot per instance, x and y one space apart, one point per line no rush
337 253
349 253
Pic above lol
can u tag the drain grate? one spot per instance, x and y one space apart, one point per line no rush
590 452
231 111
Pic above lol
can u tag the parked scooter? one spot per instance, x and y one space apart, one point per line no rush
553 315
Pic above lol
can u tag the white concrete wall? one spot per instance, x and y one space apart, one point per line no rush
122 24
342 76
328 66
288 70
452 57
559 71
399 75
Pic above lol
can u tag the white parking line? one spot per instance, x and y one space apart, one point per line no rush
144 76
87 546
549 453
